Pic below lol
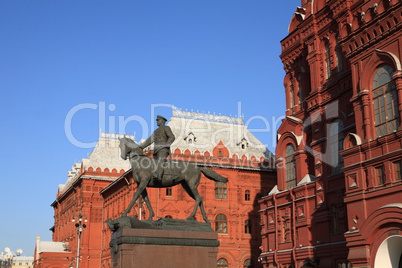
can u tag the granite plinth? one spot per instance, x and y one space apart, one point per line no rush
174 243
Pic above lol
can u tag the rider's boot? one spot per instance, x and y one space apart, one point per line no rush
158 175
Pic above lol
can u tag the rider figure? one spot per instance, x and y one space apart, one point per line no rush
162 138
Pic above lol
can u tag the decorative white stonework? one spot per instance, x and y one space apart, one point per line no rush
206 131
106 154
308 178
389 252
274 190
176 112
50 246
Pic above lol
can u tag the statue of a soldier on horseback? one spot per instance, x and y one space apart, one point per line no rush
159 172
162 138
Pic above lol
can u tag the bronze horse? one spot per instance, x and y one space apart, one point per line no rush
175 172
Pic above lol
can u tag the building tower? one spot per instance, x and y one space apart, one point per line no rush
339 147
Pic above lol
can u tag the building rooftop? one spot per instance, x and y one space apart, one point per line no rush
194 131
203 132
49 246
23 259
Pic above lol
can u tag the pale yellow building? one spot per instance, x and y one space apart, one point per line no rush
22 262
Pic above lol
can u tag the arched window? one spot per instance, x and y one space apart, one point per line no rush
220 190
290 167
222 263
247 195
221 224
335 144
385 100
247 227
248 264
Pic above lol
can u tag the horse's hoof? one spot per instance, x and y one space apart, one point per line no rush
110 224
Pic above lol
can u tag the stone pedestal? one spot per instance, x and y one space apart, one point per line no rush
166 244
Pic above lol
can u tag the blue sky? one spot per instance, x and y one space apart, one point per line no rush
133 58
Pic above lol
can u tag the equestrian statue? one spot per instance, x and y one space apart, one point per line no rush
159 172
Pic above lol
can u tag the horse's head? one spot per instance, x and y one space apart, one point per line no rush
126 146
123 148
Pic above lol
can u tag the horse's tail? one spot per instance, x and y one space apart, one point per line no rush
212 175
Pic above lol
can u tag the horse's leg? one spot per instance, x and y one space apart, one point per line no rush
140 189
191 194
145 196
198 199
198 202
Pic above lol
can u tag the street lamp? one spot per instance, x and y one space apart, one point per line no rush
80 227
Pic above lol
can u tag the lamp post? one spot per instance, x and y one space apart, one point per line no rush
80 227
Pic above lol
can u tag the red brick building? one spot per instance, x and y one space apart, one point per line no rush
101 187
52 254
339 148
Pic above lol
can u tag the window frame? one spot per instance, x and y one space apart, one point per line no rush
247 195
221 224
380 175
248 227
168 191
221 190
224 263
335 145
385 101
397 169
290 164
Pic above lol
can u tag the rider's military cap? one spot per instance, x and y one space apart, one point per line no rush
161 117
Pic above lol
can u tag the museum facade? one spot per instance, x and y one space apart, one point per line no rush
101 187
339 152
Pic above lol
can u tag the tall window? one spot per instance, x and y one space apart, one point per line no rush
398 170
339 56
385 100
286 230
380 175
327 59
335 143
300 84
221 224
292 97
247 227
220 190
247 195
335 219
290 167
222 263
